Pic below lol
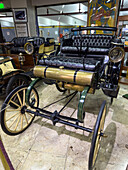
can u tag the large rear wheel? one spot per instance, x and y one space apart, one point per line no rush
98 131
16 81
14 118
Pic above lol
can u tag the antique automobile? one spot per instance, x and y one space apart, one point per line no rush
16 69
10 75
85 63
93 64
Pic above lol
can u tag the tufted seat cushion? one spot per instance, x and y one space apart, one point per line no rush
19 43
90 43
99 51
88 64
97 40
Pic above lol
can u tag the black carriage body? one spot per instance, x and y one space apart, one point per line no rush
89 53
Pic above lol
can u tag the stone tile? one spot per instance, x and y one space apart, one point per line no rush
116 167
23 141
44 146
17 157
51 140
43 161
1 166
77 155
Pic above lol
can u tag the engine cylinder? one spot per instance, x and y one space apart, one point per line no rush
64 75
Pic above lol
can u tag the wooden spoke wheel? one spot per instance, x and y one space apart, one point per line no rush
61 89
15 81
95 144
14 118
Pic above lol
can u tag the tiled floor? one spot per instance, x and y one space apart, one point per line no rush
46 147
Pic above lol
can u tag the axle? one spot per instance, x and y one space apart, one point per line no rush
55 117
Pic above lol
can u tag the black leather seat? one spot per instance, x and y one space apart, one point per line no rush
97 44
88 64
19 43
86 52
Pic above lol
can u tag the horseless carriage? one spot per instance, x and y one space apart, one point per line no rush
16 68
85 63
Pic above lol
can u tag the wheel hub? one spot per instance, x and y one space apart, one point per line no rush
23 109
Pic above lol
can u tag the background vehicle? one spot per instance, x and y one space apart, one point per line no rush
16 69
10 75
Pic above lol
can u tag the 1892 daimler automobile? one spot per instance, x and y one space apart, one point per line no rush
86 62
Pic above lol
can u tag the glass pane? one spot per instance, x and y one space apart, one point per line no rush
125 3
7 25
53 23
123 13
69 8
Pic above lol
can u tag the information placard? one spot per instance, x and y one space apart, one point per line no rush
21 29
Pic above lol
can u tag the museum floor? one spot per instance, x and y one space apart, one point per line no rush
46 147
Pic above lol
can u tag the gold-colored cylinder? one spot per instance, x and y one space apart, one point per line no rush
71 86
65 75
75 87
84 78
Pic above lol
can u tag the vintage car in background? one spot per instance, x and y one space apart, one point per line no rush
16 66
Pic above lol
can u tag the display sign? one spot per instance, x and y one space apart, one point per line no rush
21 30
20 15
103 13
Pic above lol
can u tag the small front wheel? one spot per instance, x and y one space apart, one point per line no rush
14 118
95 144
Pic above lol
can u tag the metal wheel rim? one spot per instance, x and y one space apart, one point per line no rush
98 138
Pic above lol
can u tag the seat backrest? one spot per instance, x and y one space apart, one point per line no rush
92 40
38 40
19 41
97 40
97 44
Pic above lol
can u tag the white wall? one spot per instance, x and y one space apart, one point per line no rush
7 3
18 4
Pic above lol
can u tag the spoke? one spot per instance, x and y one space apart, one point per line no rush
96 149
11 110
15 103
14 121
11 117
19 99
23 82
26 119
32 95
22 122
19 82
23 97
29 114
17 123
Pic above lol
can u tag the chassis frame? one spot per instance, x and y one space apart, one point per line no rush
22 101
